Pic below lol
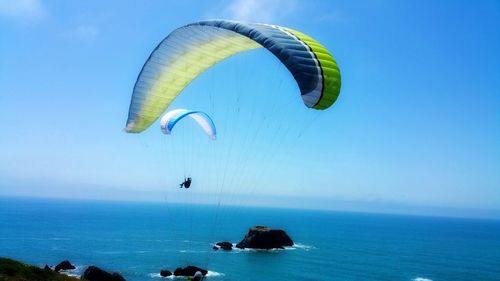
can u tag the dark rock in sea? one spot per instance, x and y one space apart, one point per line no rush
189 271
262 237
46 267
215 248
179 271
165 273
227 246
94 273
64 265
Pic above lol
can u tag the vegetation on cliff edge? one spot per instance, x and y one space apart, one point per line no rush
11 270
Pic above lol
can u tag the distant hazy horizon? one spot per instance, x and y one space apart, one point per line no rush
306 202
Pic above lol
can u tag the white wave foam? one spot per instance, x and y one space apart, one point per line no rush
191 251
294 247
158 240
140 252
72 272
214 274
302 247
59 239
110 252
421 279
238 250
157 275
209 274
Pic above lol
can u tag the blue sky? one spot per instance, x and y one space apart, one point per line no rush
417 122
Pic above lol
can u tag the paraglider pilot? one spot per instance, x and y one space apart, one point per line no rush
186 183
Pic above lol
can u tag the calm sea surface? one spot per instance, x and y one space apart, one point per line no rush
139 239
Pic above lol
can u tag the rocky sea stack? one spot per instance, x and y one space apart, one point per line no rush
94 273
64 265
263 237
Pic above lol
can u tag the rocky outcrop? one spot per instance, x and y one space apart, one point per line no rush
189 270
11 270
226 246
64 265
262 237
165 273
94 273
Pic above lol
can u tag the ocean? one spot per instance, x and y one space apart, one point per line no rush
139 239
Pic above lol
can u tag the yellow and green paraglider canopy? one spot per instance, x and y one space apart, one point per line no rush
189 50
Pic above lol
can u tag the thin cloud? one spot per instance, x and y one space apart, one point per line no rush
85 32
85 28
259 10
22 10
334 16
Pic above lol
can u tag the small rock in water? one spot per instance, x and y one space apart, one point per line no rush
165 273
227 246
215 248
64 265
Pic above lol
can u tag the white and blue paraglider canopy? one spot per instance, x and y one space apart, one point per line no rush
170 119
